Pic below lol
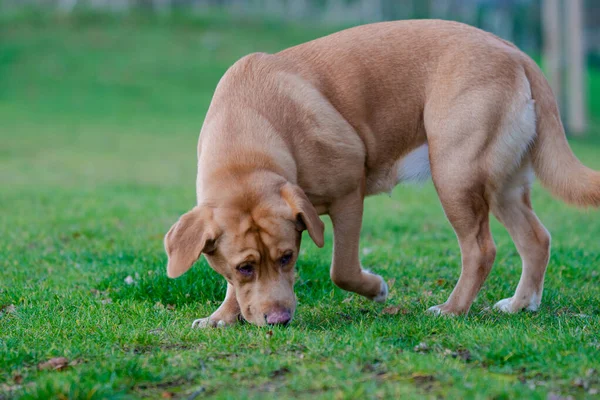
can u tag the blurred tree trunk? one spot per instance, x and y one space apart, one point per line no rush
553 47
576 106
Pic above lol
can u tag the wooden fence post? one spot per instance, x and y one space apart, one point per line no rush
553 46
576 70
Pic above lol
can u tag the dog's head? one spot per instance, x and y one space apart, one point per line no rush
253 240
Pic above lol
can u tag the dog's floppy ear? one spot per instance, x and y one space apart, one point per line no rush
187 239
304 212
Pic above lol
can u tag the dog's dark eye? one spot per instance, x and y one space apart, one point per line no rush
285 260
246 269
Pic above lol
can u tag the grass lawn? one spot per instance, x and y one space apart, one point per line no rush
98 127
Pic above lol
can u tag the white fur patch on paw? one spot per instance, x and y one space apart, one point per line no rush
505 305
383 293
201 323
208 323
440 311
435 310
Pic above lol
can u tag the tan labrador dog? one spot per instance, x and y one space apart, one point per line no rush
317 127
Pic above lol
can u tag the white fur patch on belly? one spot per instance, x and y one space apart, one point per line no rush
415 167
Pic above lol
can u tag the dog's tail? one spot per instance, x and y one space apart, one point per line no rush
553 161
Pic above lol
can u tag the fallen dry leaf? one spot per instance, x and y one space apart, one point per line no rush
418 377
167 395
391 283
18 378
425 381
269 334
393 310
347 300
57 364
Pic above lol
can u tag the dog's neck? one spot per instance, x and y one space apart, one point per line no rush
238 182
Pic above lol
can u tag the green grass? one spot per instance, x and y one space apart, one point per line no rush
98 126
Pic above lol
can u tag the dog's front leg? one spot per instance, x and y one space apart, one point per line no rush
346 272
227 314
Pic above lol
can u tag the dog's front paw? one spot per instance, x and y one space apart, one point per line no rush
444 309
207 323
383 292
211 322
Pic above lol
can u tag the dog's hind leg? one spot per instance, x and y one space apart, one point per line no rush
346 272
459 139
512 207
468 212
227 314
477 142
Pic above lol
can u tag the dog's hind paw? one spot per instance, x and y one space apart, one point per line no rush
505 305
510 306
435 310
383 293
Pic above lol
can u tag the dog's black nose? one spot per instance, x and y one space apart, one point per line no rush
279 317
